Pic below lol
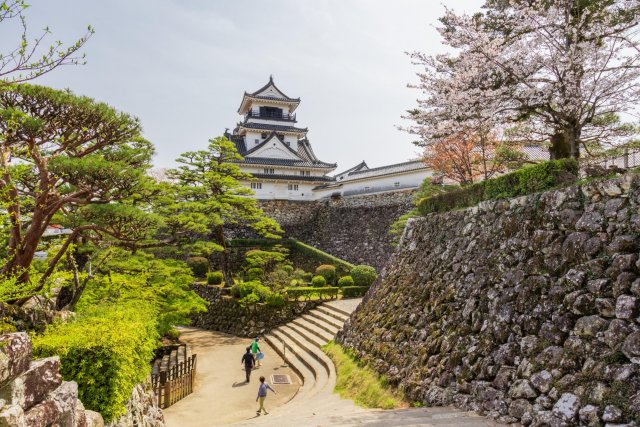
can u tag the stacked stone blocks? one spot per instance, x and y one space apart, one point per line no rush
526 310
32 392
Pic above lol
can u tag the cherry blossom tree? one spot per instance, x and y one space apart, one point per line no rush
559 71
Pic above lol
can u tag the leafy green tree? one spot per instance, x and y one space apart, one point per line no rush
30 59
207 197
69 160
163 284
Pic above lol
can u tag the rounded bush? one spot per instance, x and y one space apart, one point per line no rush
287 268
318 281
199 266
215 278
345 281
274 300
255 273
363 275
327 271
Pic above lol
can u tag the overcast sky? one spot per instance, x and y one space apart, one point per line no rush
182 66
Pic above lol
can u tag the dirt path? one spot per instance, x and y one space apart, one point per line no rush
221 396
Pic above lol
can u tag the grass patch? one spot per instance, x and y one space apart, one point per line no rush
360 383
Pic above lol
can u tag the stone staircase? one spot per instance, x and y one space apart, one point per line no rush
299 343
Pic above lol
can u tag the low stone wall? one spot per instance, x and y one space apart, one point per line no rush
526 310
354 228
32 392
225 314
142 410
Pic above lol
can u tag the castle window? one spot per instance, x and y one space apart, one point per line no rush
396 184
293 187
367 188
269 171
256 185
263 135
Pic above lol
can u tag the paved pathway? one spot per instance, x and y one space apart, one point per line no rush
220 400
221 396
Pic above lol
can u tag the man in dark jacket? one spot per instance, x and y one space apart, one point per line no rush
248 361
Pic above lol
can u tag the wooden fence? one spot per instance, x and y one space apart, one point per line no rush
176 383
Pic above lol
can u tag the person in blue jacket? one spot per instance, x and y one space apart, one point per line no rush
262 395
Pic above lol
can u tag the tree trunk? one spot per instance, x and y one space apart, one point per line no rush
559 148
226 263
565 144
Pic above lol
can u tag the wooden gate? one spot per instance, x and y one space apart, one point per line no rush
176 383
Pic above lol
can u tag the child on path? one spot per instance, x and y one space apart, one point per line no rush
262 394
255 349
248 361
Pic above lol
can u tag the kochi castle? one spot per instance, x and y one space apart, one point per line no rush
279 156
276 151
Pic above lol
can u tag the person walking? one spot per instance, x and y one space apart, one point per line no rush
248 361
262 395
255 349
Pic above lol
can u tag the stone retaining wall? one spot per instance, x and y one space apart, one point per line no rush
354 228
32 393
527 310
142 410
225 314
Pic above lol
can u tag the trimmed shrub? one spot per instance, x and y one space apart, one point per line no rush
354 291
307 293
345 281
199 265
274 300
242 289
215 278
328 272
255 273
287 268
363 275
318 282
106 351
342 266
541 177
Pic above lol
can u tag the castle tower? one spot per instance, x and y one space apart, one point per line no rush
277 152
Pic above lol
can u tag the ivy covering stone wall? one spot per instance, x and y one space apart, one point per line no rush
526 310
354 228
225 314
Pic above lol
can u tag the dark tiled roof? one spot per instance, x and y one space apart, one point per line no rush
270 83
293 177
287 162
386 170
275 128
360 166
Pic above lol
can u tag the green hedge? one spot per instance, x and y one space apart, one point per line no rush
107 351
354 291
345 281
328 292
342 266
541 177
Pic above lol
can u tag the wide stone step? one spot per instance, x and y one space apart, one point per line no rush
327 320
314 334
341 318
344 306
319 371
329 329
306 375
310 348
